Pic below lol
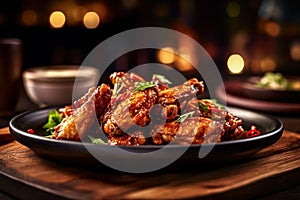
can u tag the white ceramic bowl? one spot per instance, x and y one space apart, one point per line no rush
54 85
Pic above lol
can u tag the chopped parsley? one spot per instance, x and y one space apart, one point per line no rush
162 78
96 140
183 117
54 118
203 106
214 102
117 88
139 86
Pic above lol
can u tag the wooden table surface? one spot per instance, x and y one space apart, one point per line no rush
272 173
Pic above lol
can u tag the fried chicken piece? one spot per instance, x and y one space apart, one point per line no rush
136 138
188 90
160 114
127 78
232 128
210 123
75 125
232 125
140 104
124 82
194 130
134 110
128 108
102 99
164 133
171 98
198 130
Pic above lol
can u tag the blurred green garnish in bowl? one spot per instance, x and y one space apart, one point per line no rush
277 81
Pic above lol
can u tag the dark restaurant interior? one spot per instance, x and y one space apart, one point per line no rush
265 33
261 35
245 39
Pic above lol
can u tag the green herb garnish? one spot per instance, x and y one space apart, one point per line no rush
162 78
139 86
274 81
117 88
203 106
54 118
214 102
183 117
96 140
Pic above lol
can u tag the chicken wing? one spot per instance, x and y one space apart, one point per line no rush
90 107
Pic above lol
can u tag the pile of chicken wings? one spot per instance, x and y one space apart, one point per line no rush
138 112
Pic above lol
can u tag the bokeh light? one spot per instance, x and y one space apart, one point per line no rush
29 17
273 29
267 64
183 62
91 20
57 19
235 63
295 51
166 55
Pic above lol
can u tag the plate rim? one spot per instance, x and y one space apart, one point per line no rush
279 127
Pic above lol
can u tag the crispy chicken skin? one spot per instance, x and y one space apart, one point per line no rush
128 108
171 98
134 110
194 130
232 125
135 138
131 109
126 81
188 90
140 104
149 115
75 125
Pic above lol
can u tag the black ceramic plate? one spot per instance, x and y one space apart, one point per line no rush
76 153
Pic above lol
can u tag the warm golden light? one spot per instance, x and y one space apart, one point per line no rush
272 29
29 17
235 63
233 9
77 13
183 62
166 55
295 51
57 19
102 10
267 64
91 20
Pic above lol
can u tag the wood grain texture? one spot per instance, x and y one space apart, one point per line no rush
271 170
5 136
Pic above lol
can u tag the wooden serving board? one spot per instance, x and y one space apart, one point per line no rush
25 175
5 136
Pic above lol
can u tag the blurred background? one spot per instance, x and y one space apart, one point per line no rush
242 37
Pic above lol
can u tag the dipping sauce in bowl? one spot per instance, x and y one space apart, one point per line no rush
54 85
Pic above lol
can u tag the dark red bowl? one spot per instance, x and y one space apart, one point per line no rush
251 90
